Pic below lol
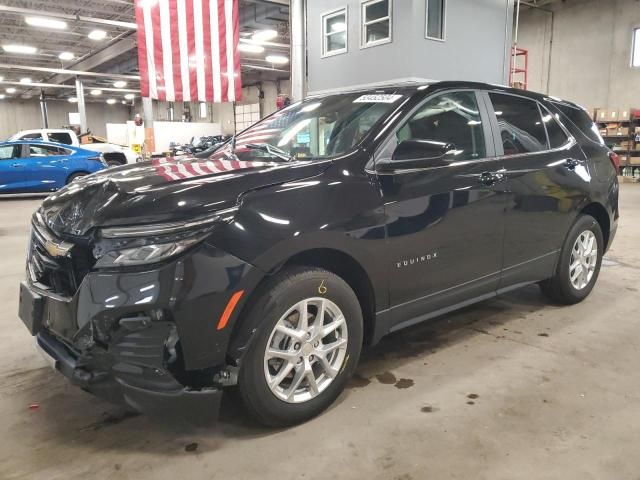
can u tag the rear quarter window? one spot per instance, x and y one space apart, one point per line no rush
581 120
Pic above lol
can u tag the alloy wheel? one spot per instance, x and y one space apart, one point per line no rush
584 258
306 350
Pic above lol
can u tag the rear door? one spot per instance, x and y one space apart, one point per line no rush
547 178
49 166
14 171
445 223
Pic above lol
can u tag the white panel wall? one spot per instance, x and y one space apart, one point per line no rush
16 115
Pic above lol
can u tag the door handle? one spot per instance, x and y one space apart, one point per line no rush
489 179
17 165
572 163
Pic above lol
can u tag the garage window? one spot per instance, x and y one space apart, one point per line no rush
635 49
435 19
334 32
376 22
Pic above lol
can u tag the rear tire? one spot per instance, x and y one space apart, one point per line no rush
579 263
75 176
288 376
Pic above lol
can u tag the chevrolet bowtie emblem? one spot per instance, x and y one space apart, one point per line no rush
57 249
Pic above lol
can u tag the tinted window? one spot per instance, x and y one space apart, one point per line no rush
8 152
557 137
520 124
32 136
43 151
582 120
449 118
60 137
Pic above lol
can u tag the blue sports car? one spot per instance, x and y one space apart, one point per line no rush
32 166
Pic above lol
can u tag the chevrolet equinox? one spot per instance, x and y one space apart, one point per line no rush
318 230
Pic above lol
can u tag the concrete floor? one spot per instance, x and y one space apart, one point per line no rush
511 388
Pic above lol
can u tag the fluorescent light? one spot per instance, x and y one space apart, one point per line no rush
2 95
66 56
73 100
129 96
120 84
111 101
264 36
97 35
26 49
1 78
277 59
25 80
95 92
11 90
45 23
250 48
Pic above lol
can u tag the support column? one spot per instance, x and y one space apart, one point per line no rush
43 110
298 51
147 117
147 112
81 108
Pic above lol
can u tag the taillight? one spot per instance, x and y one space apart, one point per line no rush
615 160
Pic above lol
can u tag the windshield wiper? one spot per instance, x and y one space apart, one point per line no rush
271 150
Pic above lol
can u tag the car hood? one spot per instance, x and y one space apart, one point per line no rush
164 190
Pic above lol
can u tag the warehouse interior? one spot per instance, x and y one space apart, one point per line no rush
512 383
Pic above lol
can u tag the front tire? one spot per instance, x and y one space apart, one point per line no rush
579 264
306 348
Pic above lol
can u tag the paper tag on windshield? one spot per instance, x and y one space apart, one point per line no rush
381 98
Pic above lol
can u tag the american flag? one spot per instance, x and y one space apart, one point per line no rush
188 50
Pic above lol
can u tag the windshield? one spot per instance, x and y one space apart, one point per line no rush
322 127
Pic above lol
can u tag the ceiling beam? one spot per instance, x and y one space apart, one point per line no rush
71 87
70 73
68 16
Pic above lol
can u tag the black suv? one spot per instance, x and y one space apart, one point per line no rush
325 226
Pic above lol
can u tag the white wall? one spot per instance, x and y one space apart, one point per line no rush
16 115
589 61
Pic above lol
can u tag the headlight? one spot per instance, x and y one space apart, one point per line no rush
146 244
145 254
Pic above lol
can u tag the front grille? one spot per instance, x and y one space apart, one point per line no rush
55 264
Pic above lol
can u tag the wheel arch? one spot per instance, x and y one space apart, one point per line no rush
599 212
75 172
336 261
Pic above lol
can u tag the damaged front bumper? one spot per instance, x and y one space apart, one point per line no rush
146 392
145 338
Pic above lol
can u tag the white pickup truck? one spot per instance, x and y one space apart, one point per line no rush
112 153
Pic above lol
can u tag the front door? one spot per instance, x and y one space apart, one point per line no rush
445 223
547 177
14 172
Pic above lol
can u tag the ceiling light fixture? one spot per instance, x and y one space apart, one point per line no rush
250 48
111 101
264 36
97 35
44 22
1 78
73 100
120 84
25 80
11 90
129 96
66 56
2 96
277 59
26 49
95 92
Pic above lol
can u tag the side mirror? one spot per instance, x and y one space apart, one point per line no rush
417 154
